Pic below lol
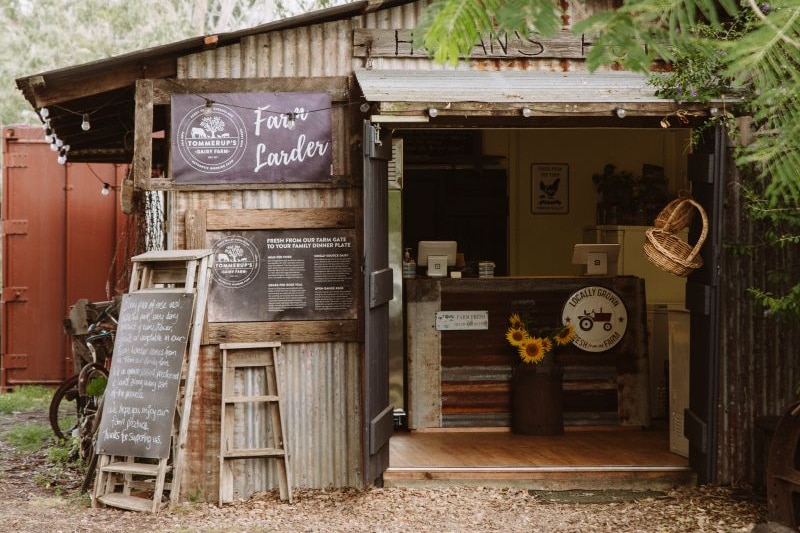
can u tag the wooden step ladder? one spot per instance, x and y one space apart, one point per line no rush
252 419
138 483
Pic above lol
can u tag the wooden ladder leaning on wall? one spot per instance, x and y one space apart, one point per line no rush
122 481
252 418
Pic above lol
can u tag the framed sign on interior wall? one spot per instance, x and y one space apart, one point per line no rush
549 188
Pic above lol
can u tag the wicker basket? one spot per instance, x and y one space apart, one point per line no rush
672 254
676 215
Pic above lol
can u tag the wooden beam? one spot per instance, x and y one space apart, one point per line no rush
288 331
400 43
289 218
195 229
336 86
56 88
143 135
665 108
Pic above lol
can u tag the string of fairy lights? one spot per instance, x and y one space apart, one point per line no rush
289 118
58 145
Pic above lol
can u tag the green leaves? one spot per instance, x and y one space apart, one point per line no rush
450 28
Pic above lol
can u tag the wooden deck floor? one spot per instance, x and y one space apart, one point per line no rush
619 458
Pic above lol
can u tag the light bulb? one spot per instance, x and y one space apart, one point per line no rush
48 135
291 122
44 112
209 107
59 143
364 107
433 112
621 112
54 144
62 157
526 112
85 126
106 189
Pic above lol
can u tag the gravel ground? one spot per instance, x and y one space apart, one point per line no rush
35 498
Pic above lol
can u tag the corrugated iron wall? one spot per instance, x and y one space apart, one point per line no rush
320 392
321 384
760 367
323 380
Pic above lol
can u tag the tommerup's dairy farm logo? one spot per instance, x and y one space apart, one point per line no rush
236 261
211 139
599 317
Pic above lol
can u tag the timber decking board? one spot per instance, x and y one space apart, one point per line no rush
583 458
497 448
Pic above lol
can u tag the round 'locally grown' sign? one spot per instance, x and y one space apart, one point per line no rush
599 317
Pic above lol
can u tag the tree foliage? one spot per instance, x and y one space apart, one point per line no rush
48 35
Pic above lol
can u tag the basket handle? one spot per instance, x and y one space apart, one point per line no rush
703 232
678 203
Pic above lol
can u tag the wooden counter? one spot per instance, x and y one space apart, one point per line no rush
461 378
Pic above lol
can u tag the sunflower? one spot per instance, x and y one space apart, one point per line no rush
565 335
547 344
516 336
516 321
532 351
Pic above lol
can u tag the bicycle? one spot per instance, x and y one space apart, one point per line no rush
77 403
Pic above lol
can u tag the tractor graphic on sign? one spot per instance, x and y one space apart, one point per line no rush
587 320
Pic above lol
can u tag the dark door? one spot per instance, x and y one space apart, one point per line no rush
378 289
707 167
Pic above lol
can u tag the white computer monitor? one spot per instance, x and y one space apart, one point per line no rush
599 259
437 256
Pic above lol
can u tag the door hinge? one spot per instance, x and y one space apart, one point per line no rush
17 160
15 294
15 360
13 227
696 430
376 135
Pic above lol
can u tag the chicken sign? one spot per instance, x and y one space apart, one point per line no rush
549 188
251 138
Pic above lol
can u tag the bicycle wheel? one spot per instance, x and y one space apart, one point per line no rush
65 408
91 385
88 476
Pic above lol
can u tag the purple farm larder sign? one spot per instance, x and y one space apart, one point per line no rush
251 138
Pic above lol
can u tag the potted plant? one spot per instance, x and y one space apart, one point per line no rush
536 396
651 192
616 189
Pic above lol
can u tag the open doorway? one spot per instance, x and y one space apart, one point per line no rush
446 195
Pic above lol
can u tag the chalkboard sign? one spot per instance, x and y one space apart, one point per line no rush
142 392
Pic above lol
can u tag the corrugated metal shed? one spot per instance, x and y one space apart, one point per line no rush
758 367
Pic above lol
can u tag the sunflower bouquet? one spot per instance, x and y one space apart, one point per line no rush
533 347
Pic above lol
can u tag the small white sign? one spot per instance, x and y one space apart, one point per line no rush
452 320
549 188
